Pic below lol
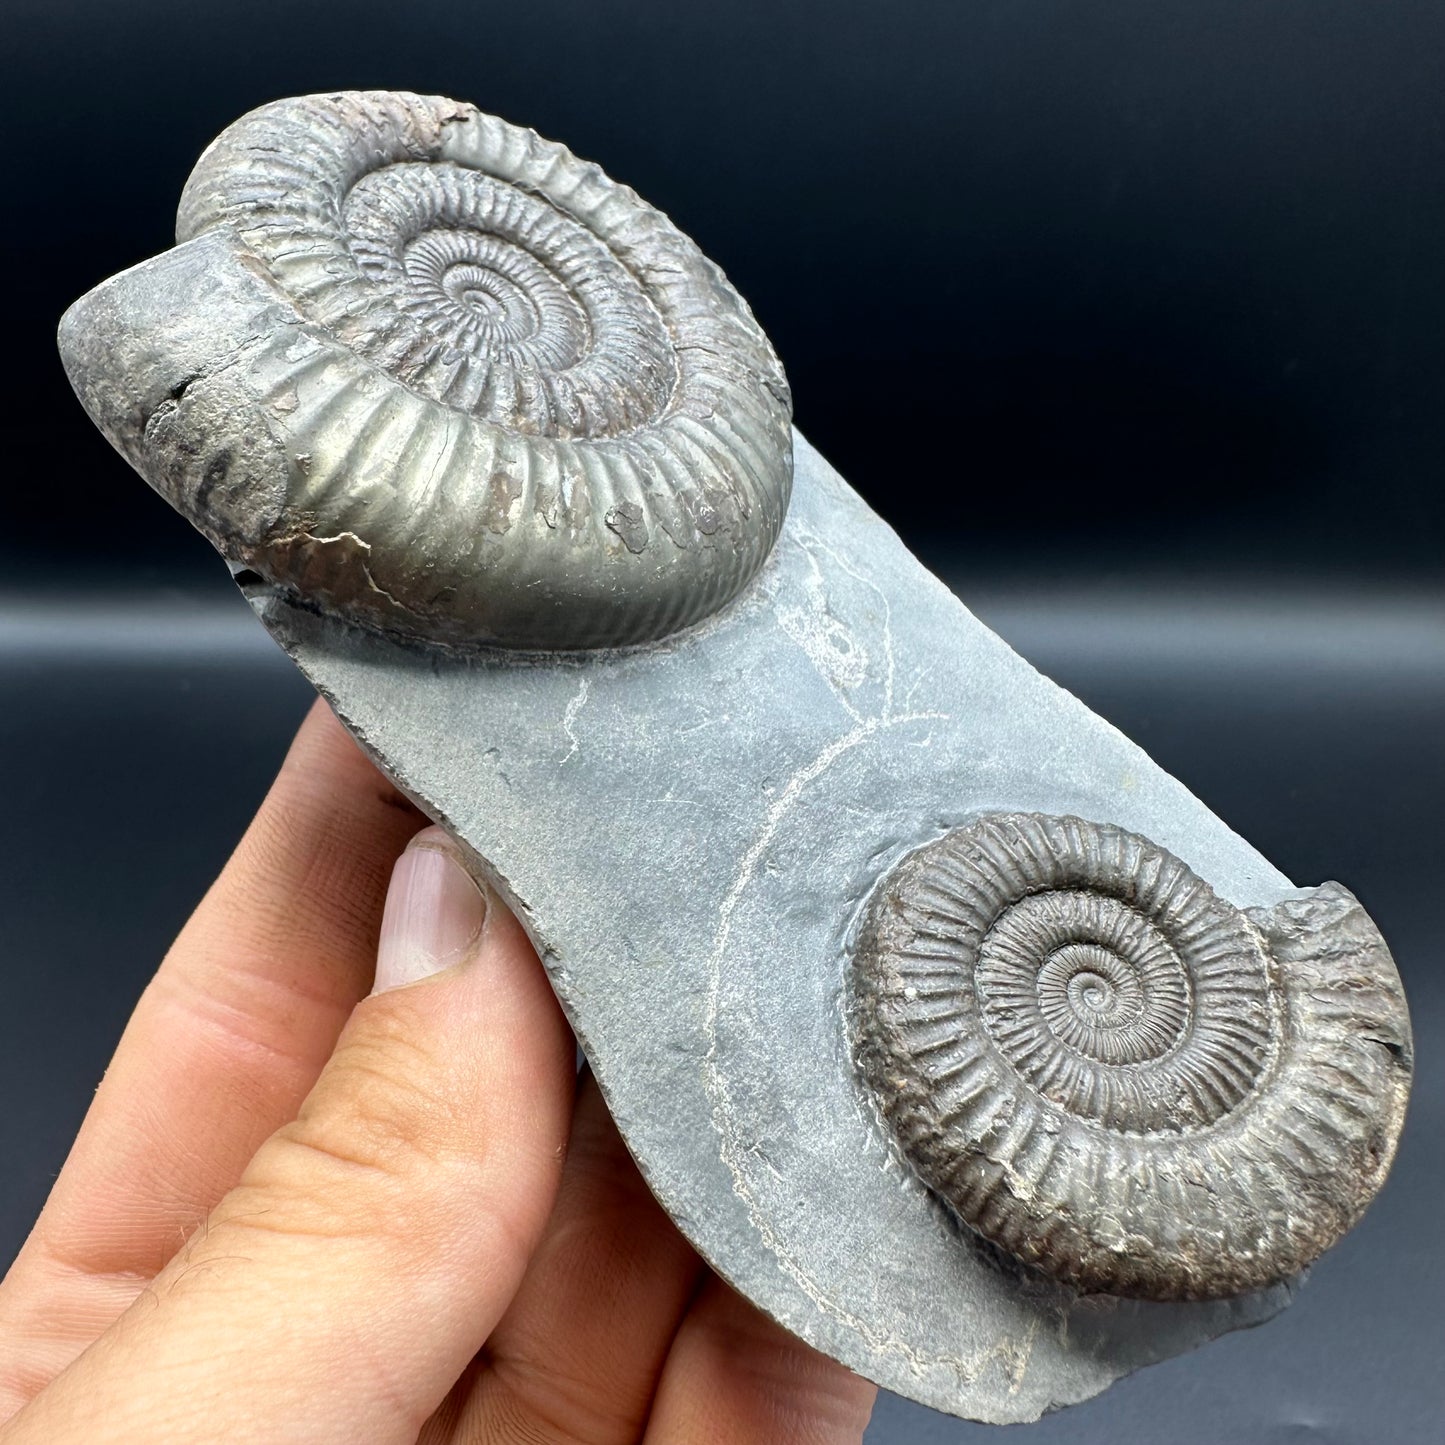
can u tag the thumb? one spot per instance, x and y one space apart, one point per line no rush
371 1245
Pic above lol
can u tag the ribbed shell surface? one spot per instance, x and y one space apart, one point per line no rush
519 405
1114 1075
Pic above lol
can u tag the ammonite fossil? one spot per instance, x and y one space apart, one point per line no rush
1113 1074
413 368
438 375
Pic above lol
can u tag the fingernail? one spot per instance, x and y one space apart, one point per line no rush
434 913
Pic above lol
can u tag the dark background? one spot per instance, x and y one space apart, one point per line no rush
1085 277
1128 316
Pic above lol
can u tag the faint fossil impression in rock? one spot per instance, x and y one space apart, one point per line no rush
950 1029
1107 1071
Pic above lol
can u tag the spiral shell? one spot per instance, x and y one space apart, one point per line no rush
497 399
1114 1075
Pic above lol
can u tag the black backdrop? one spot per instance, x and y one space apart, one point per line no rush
1059 274
1129 316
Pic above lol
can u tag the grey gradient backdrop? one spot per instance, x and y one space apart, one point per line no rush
1128 316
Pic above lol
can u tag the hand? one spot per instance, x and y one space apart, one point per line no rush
302 1211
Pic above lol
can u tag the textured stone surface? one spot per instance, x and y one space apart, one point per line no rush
691 833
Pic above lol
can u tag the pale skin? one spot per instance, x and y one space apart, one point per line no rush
300 1210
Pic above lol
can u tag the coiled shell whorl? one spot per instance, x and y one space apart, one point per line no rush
1114 1075
496 397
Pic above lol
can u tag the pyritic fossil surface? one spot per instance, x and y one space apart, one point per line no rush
950 1029
443 377
1104 1069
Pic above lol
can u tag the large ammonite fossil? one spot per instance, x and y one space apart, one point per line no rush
1114 1075
481 392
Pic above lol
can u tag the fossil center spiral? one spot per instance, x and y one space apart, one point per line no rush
1087 998
504 306
492 398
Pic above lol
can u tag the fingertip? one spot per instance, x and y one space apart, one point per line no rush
434 916
324 750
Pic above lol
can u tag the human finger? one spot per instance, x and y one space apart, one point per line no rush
222 1047
578 1354
373 1243
734 1377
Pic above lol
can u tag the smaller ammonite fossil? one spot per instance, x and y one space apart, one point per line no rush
1111 1073
433 373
